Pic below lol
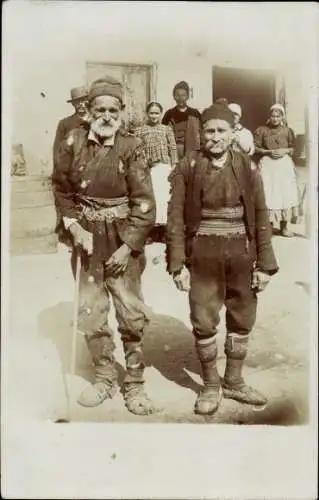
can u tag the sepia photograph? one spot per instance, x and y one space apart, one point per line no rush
159 246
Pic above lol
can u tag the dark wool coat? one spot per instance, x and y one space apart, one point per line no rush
87 174
184 211
65 126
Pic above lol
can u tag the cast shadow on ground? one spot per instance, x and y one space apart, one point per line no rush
168 346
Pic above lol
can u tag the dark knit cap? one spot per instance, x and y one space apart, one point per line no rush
218 112
181 85
106 86
221 100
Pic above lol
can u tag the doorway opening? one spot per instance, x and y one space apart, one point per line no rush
253 90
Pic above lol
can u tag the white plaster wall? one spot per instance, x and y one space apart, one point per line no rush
50 42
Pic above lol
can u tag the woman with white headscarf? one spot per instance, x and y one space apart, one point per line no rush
274 143
243 139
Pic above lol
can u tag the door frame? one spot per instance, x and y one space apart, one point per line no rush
153 67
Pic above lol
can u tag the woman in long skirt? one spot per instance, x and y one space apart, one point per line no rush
274 143
161 154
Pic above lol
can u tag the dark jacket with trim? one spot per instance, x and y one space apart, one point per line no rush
184 210
87 169
65 126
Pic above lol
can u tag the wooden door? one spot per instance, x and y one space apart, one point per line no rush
137 86
253 90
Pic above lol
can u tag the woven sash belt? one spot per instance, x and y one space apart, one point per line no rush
228 221
104 209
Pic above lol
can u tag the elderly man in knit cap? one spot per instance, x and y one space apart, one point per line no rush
104 191
184 120
219 248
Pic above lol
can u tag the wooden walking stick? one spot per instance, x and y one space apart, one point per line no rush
69 387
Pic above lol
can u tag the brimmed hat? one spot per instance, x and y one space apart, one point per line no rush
218 112
106 86
78 93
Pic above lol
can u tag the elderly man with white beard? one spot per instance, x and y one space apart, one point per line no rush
103 189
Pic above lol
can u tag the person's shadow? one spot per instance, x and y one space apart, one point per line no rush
168 346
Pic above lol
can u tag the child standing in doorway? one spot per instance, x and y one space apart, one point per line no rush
161 155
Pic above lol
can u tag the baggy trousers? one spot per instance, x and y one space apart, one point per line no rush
131 313
221 274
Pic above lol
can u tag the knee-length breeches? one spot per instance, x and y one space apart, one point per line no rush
221 274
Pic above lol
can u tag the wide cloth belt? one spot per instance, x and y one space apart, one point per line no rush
225 221
103 209
102 217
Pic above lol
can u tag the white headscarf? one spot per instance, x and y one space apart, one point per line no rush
235 108
280 108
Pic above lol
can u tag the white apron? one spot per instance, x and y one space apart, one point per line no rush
280 182
161 187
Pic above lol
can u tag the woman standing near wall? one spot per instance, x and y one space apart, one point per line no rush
274 143
161 155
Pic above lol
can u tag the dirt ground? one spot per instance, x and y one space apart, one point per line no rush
38 345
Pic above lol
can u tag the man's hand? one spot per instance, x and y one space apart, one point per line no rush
259 281
182 280
118 262
82 237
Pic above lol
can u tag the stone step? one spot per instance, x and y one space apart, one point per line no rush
34 245
30 183
27 199
33 221
33 215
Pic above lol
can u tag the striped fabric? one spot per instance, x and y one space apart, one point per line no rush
226 221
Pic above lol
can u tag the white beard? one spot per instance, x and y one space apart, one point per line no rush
105 130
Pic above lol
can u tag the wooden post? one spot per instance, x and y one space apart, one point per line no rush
309 166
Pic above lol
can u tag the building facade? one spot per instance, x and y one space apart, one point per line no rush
44 68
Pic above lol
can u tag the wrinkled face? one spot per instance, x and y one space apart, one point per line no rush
276 117
236 118
218 135
81 107
105 116
181 97
154 114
